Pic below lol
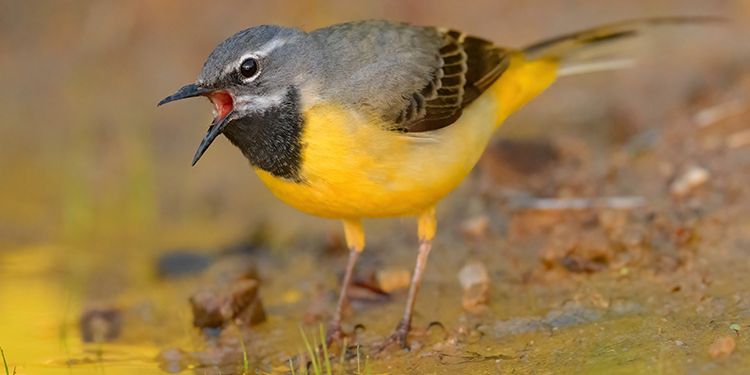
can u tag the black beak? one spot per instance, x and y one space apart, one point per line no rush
213 131
188 91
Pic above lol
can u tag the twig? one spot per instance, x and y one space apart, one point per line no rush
712 115
553 204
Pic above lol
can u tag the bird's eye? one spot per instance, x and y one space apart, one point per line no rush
249 67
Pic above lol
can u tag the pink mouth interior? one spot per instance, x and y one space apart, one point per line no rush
223 104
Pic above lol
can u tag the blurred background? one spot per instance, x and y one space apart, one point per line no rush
95 181
86 152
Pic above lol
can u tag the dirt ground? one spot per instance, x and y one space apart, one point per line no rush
605 230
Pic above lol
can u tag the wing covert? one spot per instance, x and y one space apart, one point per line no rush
469 65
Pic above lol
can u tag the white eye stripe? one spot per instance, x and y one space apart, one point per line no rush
258 55
267 48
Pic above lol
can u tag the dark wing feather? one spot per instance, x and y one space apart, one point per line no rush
469 66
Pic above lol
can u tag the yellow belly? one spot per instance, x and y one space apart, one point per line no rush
353 168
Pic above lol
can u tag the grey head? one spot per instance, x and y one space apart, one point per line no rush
253 80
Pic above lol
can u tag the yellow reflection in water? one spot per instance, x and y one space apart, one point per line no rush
38 323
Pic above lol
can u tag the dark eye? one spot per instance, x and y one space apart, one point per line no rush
249 67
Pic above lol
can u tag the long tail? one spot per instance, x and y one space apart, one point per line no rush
534 68
598 49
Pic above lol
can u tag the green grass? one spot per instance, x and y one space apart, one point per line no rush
325 350
319 359
360 370
317 352
5 363
245 363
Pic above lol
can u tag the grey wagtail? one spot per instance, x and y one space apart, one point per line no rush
379 119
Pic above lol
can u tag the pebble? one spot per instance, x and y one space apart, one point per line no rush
475 282
694 177
476 227
173 360
214 308
392 279
100 324
723 347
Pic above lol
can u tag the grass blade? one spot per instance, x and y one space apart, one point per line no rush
343 353
359 368
5 363
325 358
245 364
313 355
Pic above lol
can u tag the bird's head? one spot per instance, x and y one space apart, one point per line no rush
250 73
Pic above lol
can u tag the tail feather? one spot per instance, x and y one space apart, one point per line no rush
597 49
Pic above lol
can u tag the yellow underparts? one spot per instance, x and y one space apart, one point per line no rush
354 168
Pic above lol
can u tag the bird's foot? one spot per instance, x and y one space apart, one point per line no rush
398 337
334 335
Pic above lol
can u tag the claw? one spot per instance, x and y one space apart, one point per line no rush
334 334
399 336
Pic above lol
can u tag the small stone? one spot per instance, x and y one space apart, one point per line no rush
475 298
215 308
473 273
694 177
209 310
476 227
679 343
246 303
173 360
735 327
723 347
100 324
475 282
392 279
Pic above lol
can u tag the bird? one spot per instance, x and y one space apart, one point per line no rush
377 118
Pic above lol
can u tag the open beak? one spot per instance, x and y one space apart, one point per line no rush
223 104
188 91
213 131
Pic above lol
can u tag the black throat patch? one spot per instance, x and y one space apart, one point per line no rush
271 139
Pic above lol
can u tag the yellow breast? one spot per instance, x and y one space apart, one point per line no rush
353 168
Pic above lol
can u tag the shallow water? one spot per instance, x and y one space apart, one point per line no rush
624 320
